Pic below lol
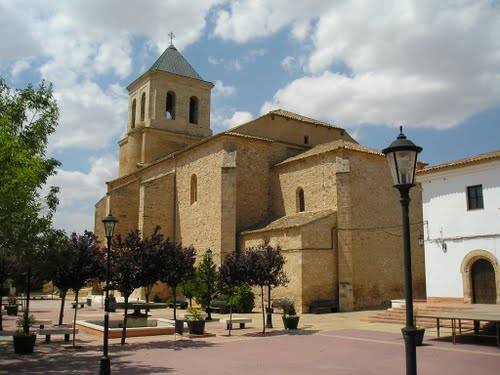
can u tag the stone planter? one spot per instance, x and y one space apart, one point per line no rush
179 326
24 344
419 335
291 322
196 327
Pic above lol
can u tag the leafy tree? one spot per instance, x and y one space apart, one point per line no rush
176 265
233 272
269 272
87 263
188 287
28 117
125 268
148 262
60 272
206 282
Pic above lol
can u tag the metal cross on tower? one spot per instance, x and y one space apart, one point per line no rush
172 36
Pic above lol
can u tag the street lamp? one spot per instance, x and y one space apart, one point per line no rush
109 227
402 158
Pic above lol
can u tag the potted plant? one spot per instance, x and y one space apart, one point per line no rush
196 321
24 343
11 306
290 317
419 331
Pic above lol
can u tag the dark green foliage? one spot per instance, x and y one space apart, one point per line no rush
126 272
206 278
176 264
243 299
148 261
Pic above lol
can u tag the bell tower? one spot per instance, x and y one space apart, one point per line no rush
168 109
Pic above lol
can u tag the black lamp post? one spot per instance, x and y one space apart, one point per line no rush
109 227
402 158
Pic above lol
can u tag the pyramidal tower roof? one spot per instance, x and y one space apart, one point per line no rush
173 62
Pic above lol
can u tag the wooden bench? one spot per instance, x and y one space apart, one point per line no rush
322 306
228 323
48 332
219 306
82 304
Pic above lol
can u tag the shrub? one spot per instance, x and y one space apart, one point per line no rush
243 299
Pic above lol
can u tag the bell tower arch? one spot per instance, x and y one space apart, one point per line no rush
169 109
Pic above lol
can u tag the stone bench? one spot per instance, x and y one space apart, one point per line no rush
47 332
228 323
323 306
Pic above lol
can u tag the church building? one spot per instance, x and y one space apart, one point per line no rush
294 181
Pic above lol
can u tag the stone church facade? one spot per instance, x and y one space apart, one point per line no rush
296 182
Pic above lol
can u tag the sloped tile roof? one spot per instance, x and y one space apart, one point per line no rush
331 146
172 61
295 116
292 221
481 158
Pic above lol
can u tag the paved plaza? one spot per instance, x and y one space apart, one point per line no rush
327 344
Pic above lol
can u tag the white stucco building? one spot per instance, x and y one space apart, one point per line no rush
461 210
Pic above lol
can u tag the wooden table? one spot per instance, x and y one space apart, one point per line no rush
456 318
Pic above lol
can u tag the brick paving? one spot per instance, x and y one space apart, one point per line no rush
329 344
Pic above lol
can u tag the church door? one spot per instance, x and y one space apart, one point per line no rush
483 282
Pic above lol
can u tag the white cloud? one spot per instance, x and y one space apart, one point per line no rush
237 118
248 19
418 63
19 67
288 63
80 190
223 90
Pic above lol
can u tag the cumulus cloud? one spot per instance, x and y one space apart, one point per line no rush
237 118
415 63
223 90
80 190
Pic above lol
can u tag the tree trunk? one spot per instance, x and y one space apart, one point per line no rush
1 300
74 316
61 311
263 310
209 300
124 330
269 322
230 318
147 293
26 327
174 292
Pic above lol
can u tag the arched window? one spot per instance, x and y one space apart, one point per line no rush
134 104
193 110
194 189
170 106
301 204
143 106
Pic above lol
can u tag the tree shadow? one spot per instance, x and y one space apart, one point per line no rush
295 332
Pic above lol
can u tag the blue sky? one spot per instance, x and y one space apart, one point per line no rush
363 65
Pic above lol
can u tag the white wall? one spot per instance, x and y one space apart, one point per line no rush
447 220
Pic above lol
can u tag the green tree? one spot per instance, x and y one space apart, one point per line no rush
266 269
125 269
176 265
206 282
87 263
233 272
148 262
28 117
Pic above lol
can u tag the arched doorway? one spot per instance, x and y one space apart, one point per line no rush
483 282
